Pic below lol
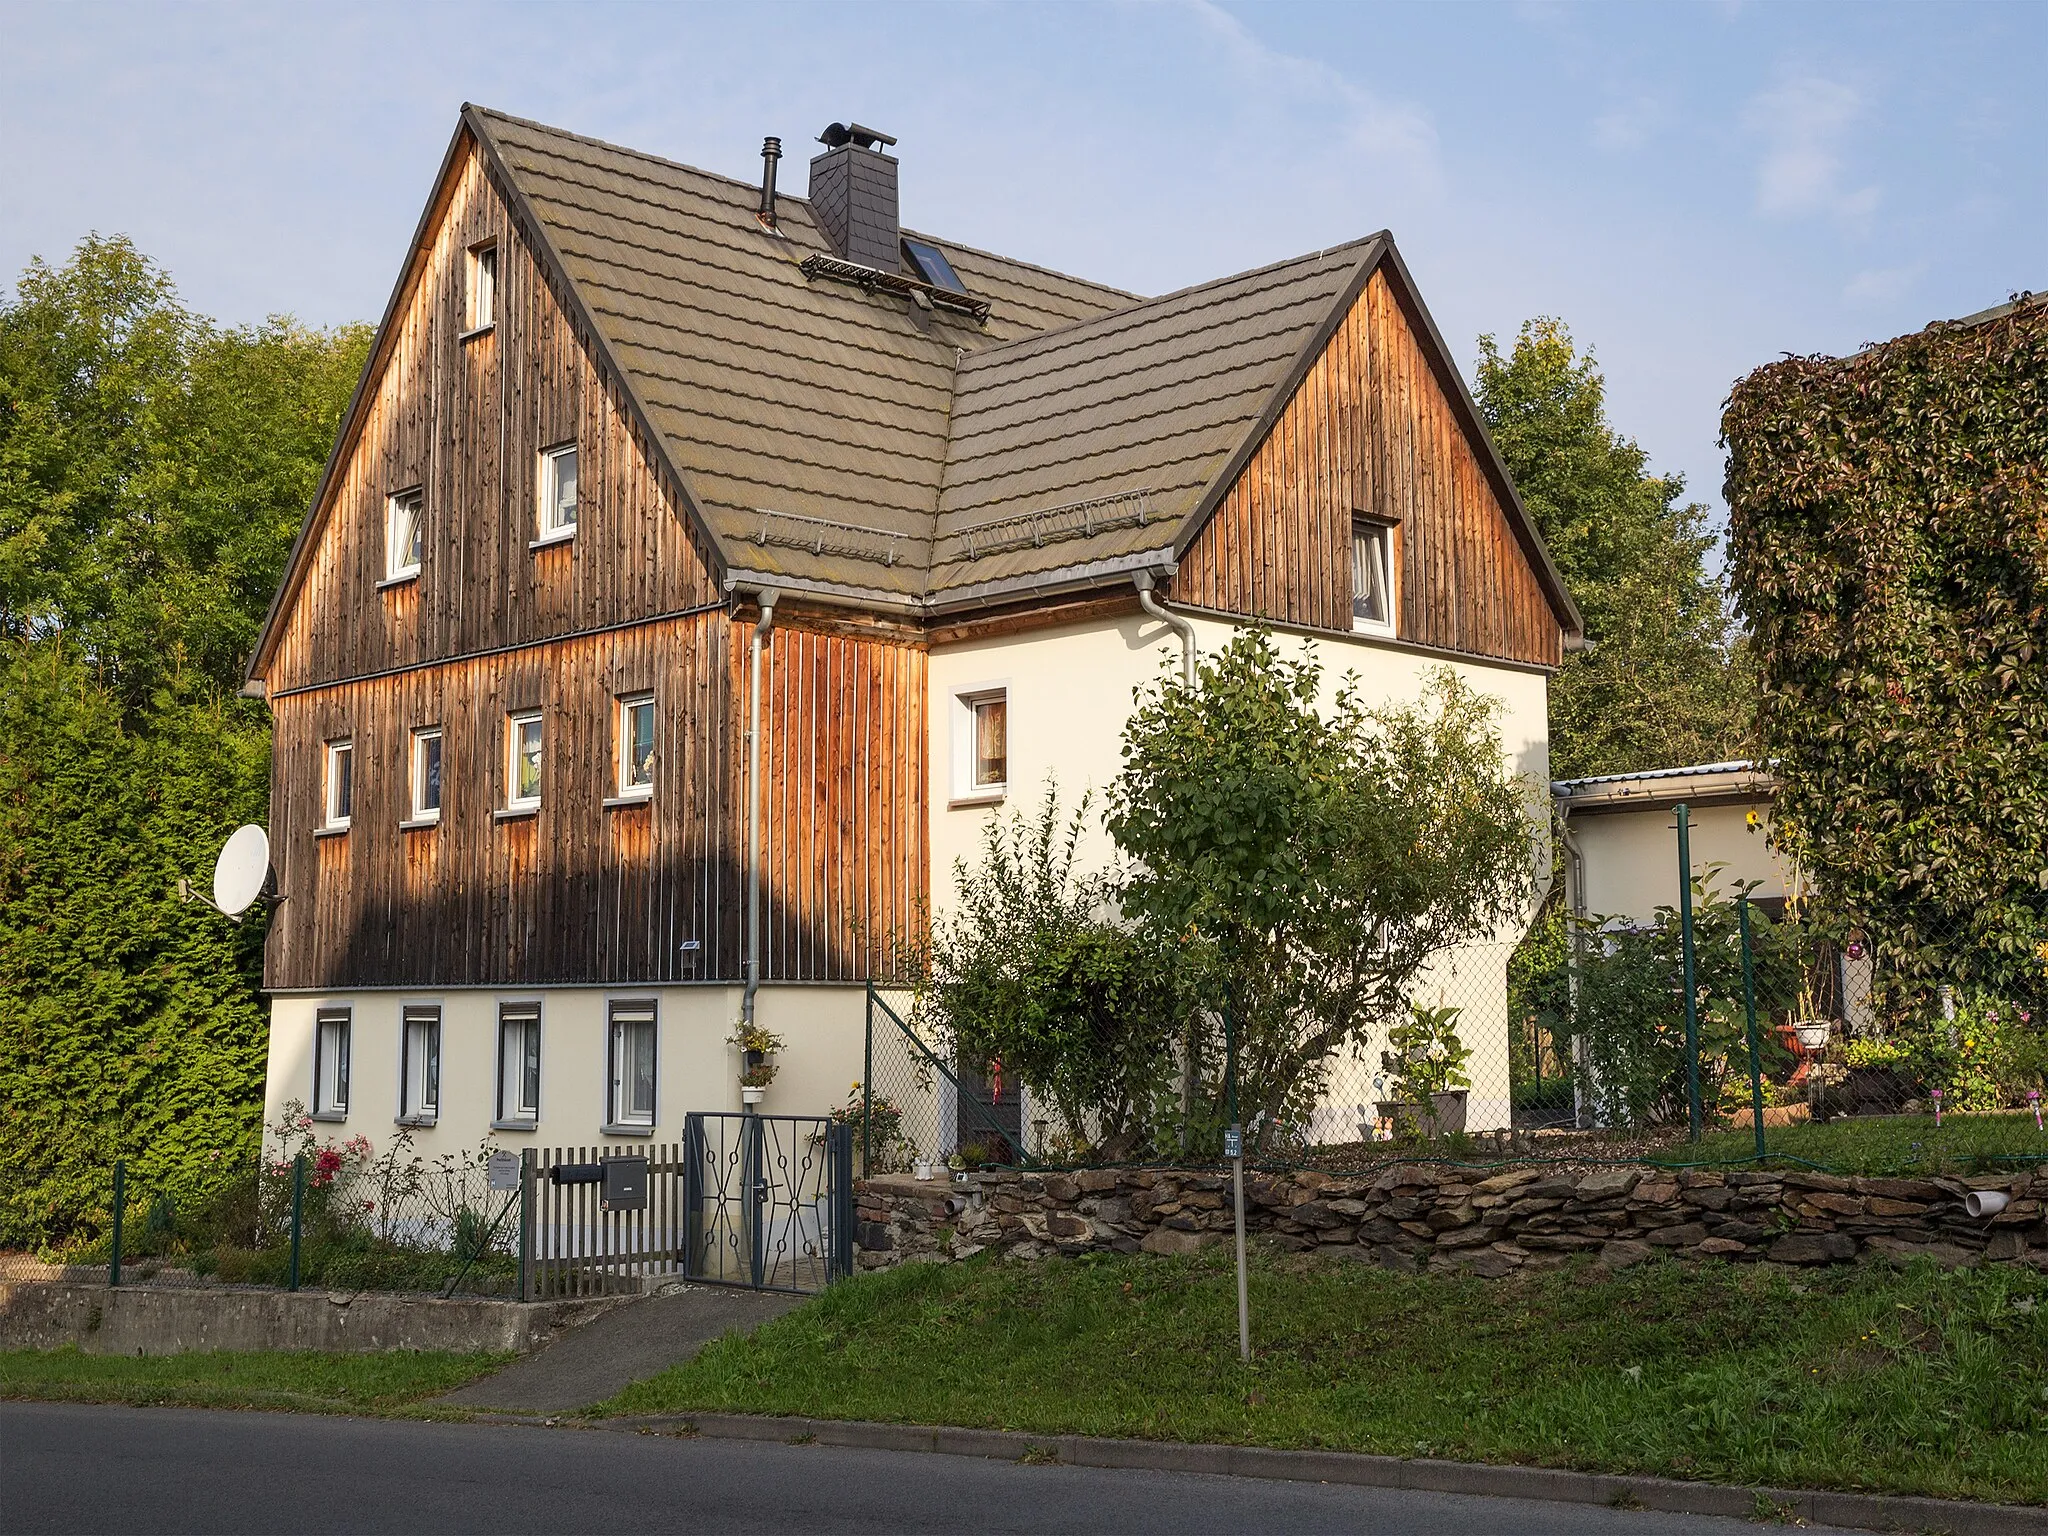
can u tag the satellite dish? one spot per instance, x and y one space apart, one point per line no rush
241 869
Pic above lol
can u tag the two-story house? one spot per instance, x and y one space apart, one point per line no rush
699 566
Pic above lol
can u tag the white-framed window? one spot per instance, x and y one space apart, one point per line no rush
518 1064
1373 592
419 1067
404 533
426 774
522 760
330 1063
636 746
483 287
629 1068
339 787
981 743
558 492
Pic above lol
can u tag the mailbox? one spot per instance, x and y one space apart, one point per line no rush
625 1184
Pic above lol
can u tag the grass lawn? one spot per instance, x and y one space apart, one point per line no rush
306 1380
1903 1381
1907 1145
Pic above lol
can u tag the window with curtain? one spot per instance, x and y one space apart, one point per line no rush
632 1064
330 1063
518 1063
636 746
522 767
426 774
991 742
419 1093
1372 576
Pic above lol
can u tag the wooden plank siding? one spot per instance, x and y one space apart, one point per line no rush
582 892
466 420
579 892
1370 430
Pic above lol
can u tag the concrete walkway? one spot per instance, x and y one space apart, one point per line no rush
621 1346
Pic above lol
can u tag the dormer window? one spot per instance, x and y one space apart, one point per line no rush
558 493
1372 577
404 534
483 288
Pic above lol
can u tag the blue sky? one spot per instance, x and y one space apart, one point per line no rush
1695 189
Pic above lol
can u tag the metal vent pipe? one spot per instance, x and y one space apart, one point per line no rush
771 153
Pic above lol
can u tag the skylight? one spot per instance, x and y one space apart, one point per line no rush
932 265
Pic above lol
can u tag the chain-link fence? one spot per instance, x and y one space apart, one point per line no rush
1726 1029
312 1214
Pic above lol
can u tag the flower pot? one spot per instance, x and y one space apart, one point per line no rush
1446 1114
1813 1033
752 1095
922 1169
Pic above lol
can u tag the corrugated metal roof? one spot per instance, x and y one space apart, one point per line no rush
1735 765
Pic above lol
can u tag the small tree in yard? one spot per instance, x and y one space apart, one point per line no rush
1320 861
1034 970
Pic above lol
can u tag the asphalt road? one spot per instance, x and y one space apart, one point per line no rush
71 1467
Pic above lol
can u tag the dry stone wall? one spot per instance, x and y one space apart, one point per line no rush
1416 1216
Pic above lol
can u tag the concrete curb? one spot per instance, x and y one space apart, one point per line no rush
1860 1511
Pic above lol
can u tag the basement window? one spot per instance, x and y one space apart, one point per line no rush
557 493
330 1064
1372 577
929 262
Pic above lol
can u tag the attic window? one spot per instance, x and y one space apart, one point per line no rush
1372 577
930 264
483 288
557 493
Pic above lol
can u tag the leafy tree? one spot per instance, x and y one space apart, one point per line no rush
153 470
1661 683
1324 857
1034 969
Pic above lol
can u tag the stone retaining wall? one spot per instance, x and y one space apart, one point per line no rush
1427 1216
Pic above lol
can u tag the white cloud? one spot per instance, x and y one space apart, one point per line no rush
1392 133
1627 124
1804 122
1882 285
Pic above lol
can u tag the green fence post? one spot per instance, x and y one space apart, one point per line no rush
298 1205
1692 1003
867 1086
1756 1070
120 1202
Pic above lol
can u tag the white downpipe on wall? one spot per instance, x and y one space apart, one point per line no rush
1144 582
761 627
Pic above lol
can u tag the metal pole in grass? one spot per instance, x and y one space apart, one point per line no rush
1756 1070
120 1202
867 1087
298 1205
1692 1005
1233 1148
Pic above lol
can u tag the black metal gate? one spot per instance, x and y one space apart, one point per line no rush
768 1200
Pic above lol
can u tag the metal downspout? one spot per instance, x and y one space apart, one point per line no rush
1144 582
1584 1104
761 627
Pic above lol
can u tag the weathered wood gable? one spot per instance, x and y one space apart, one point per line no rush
464 417
1372 430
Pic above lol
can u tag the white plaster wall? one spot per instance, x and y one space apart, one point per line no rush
696 1068
1070 691
1630 858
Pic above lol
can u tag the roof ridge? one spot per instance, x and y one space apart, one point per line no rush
1132 311
794 197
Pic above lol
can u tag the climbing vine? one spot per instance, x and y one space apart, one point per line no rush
1889 554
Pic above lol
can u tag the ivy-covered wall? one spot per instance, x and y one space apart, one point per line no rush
1889 553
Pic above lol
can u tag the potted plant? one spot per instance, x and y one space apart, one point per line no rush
1428 1065
757 1048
